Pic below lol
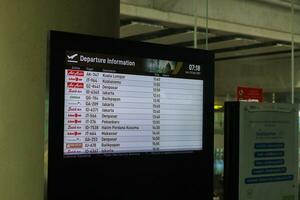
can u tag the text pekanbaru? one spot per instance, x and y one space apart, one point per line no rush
111 61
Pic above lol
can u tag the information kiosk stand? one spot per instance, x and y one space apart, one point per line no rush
261 151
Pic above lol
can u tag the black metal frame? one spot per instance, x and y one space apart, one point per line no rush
231 150
126 177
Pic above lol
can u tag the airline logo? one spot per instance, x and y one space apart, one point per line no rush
72 58
72 139
71 72
74 133
74 79
74 115
74 121
73 151
76 91
74 145
75 103
75 85
76 97
74 109
74 127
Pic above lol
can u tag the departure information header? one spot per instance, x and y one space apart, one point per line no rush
116 104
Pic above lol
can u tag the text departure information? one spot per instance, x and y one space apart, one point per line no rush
116 104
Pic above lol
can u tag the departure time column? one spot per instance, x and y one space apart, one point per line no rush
156 114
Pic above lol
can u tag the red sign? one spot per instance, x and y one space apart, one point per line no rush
249 94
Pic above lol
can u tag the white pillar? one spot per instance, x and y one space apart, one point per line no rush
23 49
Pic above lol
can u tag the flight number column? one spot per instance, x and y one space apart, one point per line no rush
93 117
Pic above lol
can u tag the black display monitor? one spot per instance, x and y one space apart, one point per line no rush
128 119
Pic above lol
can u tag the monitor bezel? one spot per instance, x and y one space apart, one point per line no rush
199 163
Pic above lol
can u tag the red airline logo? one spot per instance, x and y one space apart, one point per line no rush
74 121
74 115
74 133
75 73
74 145
75 85
75 79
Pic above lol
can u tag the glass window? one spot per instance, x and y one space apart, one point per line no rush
252 41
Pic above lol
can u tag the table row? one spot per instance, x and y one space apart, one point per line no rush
80 75
70 105
104 127
131 116
83 109
122 137
134 145
137 121
169 83
70 87
104 150
87 94
126 133
138 101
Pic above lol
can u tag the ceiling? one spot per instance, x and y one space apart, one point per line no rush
241 60
227 46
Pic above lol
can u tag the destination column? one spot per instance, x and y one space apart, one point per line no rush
126 113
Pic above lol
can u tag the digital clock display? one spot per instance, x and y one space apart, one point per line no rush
193 67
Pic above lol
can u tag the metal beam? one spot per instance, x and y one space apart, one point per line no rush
256 55
210 40
156 34
137 28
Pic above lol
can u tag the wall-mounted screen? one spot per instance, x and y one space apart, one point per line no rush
117 104
129 119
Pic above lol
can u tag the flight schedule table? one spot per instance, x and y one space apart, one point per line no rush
121 113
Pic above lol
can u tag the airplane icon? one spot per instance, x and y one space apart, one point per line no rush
72 56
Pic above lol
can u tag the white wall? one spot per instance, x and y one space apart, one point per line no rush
273 75
23 38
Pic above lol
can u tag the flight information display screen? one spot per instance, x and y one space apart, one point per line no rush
115 104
